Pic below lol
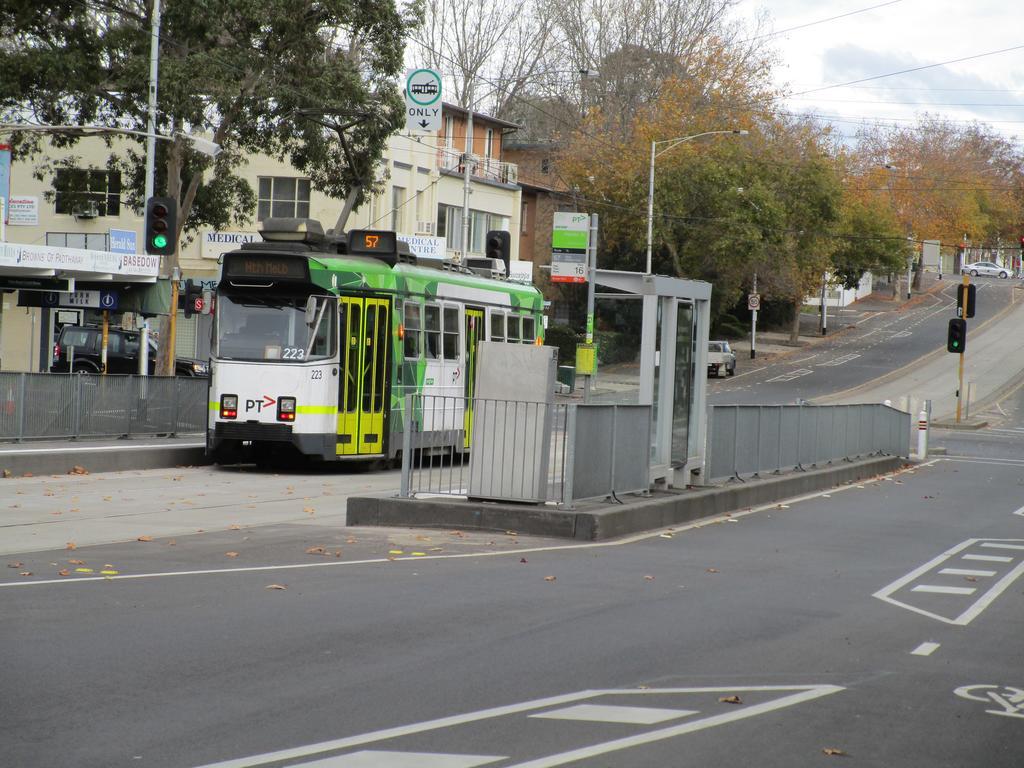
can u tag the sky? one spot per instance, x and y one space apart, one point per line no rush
894 36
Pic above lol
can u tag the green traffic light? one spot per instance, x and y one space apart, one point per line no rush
160 241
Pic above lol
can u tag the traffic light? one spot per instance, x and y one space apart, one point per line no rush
193 298
956 340
161 226
498 245
971 303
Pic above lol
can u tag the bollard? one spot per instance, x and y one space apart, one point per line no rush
922 435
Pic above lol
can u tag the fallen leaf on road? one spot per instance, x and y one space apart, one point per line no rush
71 545
108 498
522 559
17 564
422 538
25 573
395 552
144 538
350 540
231 554
308 510
549 578
275 586
971 578
83 570
667 535
648 577
77 562
78 470
316 551
832 751
234 527
711 570
63 572
171 543
731 700
7 473
109 573
511 533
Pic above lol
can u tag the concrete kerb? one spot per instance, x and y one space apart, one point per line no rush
596 522
26 458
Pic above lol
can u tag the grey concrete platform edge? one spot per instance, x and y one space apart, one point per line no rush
606 520
112 456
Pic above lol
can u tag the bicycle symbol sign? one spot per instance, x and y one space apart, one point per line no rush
1009 699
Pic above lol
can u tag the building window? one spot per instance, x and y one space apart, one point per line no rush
397 202
449 225
524 213
545 165
489 143
78 191
283 196
449 131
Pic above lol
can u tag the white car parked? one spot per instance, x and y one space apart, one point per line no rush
985 268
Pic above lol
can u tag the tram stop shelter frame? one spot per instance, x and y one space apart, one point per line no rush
669 293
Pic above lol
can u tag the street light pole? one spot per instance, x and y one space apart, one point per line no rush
672 143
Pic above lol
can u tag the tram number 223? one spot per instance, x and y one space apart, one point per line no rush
293 353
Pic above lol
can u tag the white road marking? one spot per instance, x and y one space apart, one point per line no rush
941 590
747 373
989 558
925 649
965 572
797 694
603 713
1019 511
966 617
369 758
792 375
841 360
735 515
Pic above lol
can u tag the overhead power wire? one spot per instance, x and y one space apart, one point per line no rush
911 69
820 21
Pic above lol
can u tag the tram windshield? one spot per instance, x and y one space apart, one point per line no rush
286 328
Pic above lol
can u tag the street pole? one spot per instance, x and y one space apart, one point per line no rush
753 324
910 268
466 175
824 305
591 280
154 57
960 378
650 208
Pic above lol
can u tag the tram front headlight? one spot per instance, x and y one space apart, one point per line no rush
229 406
286 409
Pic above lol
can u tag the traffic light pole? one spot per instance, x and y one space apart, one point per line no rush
960 379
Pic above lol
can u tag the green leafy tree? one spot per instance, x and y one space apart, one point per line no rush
234 71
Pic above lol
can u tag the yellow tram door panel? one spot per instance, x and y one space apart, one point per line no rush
474 332
348 387
373 375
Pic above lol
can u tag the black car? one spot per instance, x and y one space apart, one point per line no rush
122 353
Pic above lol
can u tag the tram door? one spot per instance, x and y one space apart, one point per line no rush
362 396
474 332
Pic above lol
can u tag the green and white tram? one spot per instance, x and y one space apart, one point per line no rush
319 338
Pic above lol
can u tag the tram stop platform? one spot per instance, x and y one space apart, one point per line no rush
602 519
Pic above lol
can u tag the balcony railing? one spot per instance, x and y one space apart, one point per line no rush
450 159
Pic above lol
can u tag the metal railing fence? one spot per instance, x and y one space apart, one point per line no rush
39 406
523 451
751 439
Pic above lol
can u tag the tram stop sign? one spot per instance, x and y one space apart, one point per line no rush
423 101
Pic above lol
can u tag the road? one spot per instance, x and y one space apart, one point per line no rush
879 343
879 621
